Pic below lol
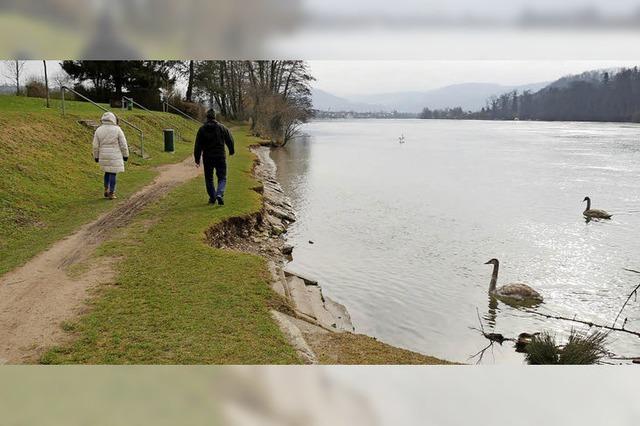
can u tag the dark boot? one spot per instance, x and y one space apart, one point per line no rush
220 200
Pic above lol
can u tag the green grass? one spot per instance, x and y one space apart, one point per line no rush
50 184
178 300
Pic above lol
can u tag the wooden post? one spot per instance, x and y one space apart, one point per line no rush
46 82
62 89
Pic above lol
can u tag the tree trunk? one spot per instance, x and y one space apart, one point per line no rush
190 83
17 78
46 82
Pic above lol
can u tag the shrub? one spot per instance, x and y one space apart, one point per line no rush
35 89
580 349
193 109
542 350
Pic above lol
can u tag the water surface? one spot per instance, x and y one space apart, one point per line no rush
401 231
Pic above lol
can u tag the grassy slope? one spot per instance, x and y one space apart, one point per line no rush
179 301
50 184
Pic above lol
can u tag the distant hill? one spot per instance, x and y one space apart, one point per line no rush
599 95
469 96
325 101
594 76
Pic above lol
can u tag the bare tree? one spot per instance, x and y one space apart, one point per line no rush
61 78
274 95
13 71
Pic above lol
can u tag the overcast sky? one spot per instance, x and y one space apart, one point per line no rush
344 78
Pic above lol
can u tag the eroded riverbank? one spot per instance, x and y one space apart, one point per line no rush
319 328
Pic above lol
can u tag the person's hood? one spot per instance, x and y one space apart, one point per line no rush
109 118
210 125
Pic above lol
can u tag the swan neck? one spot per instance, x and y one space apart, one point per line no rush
494 278
588 204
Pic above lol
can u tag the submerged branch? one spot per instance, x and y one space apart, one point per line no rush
579 321
492 337
634 292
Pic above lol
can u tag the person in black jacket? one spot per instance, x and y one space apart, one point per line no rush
210 142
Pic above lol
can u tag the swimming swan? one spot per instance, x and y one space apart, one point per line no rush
594 213
516 292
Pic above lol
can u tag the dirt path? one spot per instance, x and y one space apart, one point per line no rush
38 297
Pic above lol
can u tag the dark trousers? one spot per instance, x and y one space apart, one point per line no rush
220 166
110 181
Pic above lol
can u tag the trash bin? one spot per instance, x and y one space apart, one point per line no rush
168 140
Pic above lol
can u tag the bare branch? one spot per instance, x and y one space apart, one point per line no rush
633 293
579 321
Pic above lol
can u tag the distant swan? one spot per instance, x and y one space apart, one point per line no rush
594 213
517 292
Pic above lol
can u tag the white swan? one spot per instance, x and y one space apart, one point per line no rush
515 292
594 213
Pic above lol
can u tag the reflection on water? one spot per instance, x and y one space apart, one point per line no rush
402 231
492 312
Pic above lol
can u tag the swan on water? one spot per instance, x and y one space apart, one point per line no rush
594 213
515 292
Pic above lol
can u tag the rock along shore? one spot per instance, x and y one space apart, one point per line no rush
319 328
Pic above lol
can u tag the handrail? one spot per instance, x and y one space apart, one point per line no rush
126 98
184 114
139 130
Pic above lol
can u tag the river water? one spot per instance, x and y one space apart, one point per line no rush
401 232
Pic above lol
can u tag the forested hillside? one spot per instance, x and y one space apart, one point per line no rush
591 96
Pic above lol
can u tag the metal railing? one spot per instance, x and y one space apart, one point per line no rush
142 107
136 128
187 116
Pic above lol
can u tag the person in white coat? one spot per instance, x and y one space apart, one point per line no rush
110 150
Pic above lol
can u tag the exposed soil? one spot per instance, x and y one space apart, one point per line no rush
38 297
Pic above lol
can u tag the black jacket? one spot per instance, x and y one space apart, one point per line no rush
210 142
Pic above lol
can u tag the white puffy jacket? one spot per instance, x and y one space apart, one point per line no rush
110 145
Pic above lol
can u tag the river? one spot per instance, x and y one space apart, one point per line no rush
401 232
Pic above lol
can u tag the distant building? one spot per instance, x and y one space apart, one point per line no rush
330 115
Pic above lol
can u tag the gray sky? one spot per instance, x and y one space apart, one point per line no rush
344 78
